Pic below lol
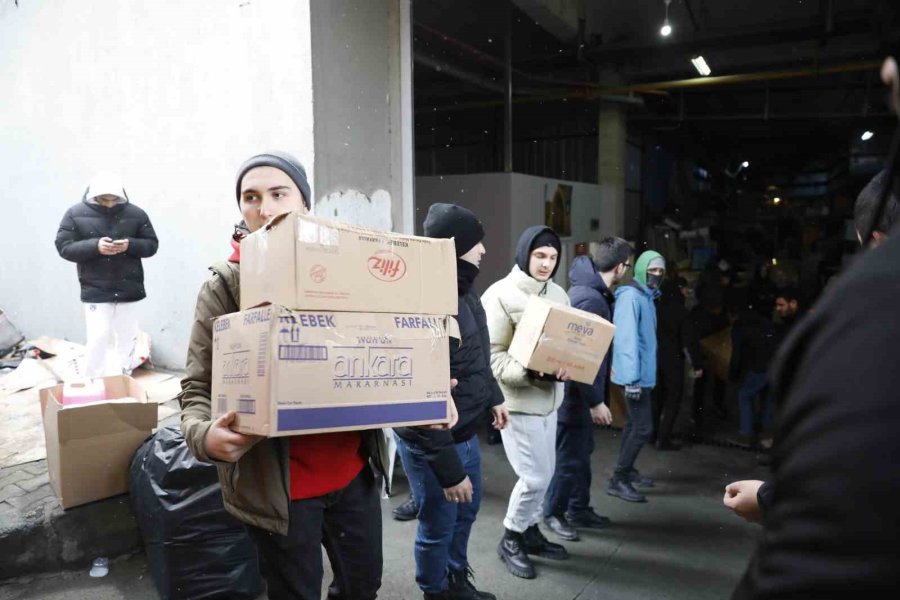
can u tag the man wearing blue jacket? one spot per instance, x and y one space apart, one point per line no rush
567 506
634 368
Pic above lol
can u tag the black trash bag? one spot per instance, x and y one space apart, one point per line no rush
195 550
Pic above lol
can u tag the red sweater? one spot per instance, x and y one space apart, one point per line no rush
322 463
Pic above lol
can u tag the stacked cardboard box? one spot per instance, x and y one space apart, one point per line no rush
340 328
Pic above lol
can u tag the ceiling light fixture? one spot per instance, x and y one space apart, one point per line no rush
867 135
666 29
701 66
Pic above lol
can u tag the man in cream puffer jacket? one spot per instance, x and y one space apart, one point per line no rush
532 398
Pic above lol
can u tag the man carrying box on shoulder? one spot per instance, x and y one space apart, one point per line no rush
444 467
298 493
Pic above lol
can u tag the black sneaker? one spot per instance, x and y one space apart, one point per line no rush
407 511
561 527
624 490
587 519
462 588
537 544
638 480
512 551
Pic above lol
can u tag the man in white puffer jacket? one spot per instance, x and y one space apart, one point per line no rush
532 399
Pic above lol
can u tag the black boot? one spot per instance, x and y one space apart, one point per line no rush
587 519
512 551
407 511
462 588
624 490
638 480
537 544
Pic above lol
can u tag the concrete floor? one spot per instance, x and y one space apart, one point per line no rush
682 544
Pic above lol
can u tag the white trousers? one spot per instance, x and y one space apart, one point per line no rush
530 445
110 323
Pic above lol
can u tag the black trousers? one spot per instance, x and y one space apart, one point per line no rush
348 524
570 488
667 397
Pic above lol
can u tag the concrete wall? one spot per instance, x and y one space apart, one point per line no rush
509 203
174 95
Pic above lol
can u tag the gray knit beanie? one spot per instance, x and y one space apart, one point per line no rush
283 162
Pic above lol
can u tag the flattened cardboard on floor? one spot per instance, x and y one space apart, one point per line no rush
552 336
294 372
89 447
306 263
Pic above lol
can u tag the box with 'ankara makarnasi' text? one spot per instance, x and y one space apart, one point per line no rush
287 372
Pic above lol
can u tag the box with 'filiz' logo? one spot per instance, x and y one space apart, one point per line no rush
289 372
307 263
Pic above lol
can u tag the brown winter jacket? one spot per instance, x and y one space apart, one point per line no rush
255 489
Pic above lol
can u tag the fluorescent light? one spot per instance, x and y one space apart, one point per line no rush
746 164
701 66
867 135
776 200
666 29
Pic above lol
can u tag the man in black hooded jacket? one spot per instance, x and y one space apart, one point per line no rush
444 467
107 236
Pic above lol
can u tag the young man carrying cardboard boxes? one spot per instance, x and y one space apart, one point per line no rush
531 397
296 493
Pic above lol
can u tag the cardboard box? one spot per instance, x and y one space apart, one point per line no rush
89 446
306 263
717 349
292 372
551 336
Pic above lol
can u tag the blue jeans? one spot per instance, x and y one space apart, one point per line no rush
570 488
638 429
755 384
442 537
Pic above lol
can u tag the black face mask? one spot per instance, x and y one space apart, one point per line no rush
466 273
654 281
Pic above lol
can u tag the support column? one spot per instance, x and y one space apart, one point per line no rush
611 156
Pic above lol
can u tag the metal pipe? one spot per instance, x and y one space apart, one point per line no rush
467 76
757 116
620 93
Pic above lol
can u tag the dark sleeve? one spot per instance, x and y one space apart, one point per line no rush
496 393
833 527
765 497
144 244
70 246
440 453
595 393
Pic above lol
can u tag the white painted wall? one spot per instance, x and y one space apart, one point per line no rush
509 203
173 95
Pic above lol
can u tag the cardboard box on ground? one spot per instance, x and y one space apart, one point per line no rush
305 263
551 336
353 333
89 446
